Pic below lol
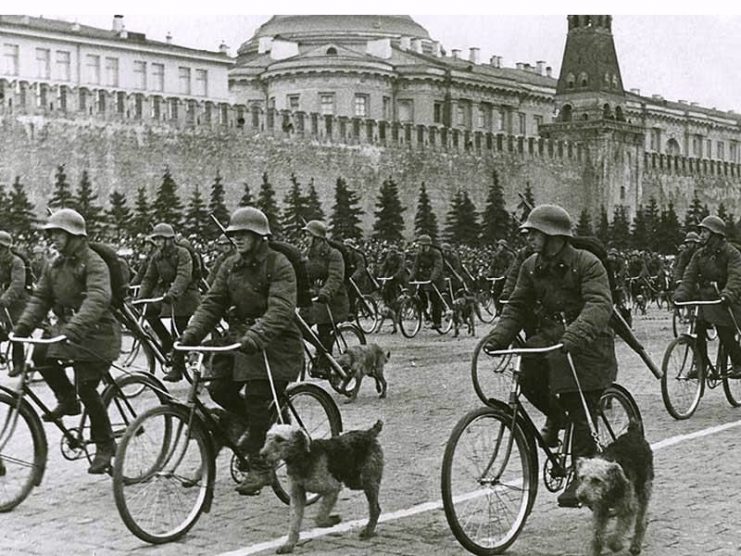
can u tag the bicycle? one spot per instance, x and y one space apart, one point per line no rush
487 300
413 307
23 440
366 314
165 465
490 467
686 373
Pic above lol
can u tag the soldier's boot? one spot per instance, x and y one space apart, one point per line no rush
260 475
102 461
177 370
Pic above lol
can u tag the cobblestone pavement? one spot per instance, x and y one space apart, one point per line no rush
694 510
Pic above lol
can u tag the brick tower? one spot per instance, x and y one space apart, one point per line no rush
590 106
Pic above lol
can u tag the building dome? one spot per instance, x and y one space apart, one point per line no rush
322 28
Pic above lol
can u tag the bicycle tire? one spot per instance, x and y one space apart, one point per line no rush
491 377
473 502
446 319
732 390
367 316
612 421
23 451
349 335
322 421
486 309
676 320
410 317
680 392
182 458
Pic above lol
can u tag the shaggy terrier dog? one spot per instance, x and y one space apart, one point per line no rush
354 459
618 483
464 311
365 360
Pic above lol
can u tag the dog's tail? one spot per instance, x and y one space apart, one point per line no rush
375 429
635 427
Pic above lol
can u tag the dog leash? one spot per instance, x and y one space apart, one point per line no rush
592 428
272 387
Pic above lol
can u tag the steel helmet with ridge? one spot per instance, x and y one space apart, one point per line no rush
5 239
692 236
715 224
317 228
67 220
249 219
424 239
551 220
162 230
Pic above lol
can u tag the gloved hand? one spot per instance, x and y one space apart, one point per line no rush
537 341
248 345
168 298
322 298
188 339
492 345
72 338
22 330
725 300
679 297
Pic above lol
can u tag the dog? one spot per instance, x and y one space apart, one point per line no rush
390 313
364 360
354 459
618 483
464 311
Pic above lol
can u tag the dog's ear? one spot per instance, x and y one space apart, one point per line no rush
617 480
304 440
388 355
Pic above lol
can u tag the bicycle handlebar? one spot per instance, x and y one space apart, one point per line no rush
419 282
384 278
525 351
148 300
177 346
493 279
697 302
29 340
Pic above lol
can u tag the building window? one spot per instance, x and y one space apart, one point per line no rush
709 149
173 109
720 150
121 102
733 152
10 59
537 123
101 102
656 140
201 83
92 63
406 110
64 65
43 64
184 80
522 121
156 108
502 123
292 102
326 103
361 106
158 77
331 51
138 106
387 108
483 118
437 113
583 79
570 80
82 102
697 146
460 111
140 75
111 72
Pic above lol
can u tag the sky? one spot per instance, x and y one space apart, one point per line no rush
687 56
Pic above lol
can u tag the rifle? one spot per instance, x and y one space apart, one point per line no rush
222 229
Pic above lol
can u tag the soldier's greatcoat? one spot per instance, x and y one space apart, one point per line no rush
170 271
13 294
326 270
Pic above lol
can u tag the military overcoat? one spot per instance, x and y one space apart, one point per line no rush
13 294
326 271
170 271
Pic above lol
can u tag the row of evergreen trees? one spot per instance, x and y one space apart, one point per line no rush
653 227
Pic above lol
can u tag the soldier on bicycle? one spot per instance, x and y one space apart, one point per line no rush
76 286
716 263
428 265
13 295
255 292
564 293
690 245
326 271
170 273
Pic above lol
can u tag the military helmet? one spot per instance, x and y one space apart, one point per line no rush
162 230
317 228
68 220
692 236
5 239
249 219
715 224
424 239
551 220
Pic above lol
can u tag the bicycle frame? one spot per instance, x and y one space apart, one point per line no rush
418 283
310 337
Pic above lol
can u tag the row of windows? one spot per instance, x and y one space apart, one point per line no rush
147 76
611 80
700 147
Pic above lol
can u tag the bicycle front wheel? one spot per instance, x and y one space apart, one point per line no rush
23 451
367 316
683 380
312 409
489 480
732 390
486 309
410 317
164 473
491 375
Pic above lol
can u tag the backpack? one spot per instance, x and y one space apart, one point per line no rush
298 262
118 270
347 257
597 248
30 276
198 268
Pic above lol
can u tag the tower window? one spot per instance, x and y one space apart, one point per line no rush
570 80
331 51
583 79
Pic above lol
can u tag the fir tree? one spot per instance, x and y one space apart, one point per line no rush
694 214
584 227
217 207
21 216
196 218
425 221
468 223
167 206
4 201
313 209
266 203
345 219
603 226
62 193
669 234
86 206
722 212
389 224
495 220
246 200
651 217
639 231
119 214
294 205
620 228
141 223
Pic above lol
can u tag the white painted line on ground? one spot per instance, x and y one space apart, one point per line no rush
438 504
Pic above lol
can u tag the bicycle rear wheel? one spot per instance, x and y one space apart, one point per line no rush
131 396
410 317
314 410
164 473
617 409
683 380
489 480
491 376
367 316
23 451
732 390
446 319
486 309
